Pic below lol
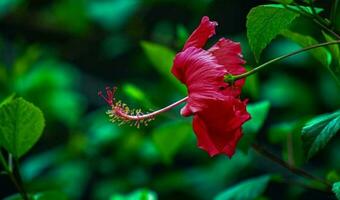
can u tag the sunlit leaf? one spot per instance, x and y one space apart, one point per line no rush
333 176
336 190
47 75
21 126
58 101
8 5
319 131
169 137
264 23
249 189
111 13
136 94
142 194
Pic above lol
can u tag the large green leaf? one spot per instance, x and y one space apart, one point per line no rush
258 112
21 126
249 189
162 58
321 53
336 190
169 137
264 23
319 131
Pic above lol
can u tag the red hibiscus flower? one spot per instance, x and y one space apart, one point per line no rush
218 111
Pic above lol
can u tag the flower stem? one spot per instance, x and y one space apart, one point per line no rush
149 115
232 78
298 171
14 176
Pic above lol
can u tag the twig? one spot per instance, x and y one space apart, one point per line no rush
298 171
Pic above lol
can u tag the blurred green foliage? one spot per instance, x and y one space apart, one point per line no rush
58 54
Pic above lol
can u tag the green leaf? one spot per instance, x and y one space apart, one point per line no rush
112 14
321 54
161 58
335 51
21 126
249 189
264 23
141 194
7 100
295 8
285 1
135 93
333 176
69 15
48 195
182 35
252 86
258 112
336 190
169 138
319 131
7 6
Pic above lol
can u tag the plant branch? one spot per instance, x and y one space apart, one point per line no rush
327 29
298 171
17 174
315 18
232 78
15 177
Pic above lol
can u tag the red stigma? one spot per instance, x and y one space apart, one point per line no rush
109 95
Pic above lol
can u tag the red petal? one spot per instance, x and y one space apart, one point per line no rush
218 127
201 34
228 54
199 71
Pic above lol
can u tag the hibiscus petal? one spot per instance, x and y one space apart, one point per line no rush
201 34
199 71
218 127
228 54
